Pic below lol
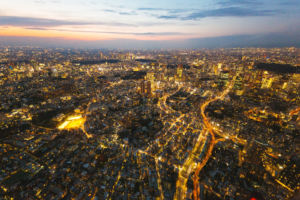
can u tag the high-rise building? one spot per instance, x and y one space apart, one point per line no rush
54 72
35 66
258 80
158 93
143 87
223 78
296 78
150 77
220 65
238 84
149 87
165 68
179 70
215 68
29 70
267 82
247 77
154 66
287 85
176 77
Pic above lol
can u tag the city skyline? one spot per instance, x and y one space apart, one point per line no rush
150 100
149 24
221 124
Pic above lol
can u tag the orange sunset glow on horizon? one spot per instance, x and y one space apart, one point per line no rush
166 23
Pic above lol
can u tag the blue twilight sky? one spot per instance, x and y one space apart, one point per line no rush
150 24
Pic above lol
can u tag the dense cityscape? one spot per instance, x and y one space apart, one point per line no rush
202 124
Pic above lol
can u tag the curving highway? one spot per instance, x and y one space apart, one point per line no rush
196 191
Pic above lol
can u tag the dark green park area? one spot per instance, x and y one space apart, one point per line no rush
16 178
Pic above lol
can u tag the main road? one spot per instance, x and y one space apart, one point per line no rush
187 167
196 192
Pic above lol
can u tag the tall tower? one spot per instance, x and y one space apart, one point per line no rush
259 77
149 87
54 72
289 86
150 77
179 71
143 87
215 68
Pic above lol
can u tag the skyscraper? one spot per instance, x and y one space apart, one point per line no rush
150 77
179 71
54 72
149 87
267 82
258 80
143 87
35 66
146 87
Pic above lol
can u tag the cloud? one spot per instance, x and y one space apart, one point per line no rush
240 2
229 8
168 17
124 13
172 11
229 12
39 29
223 12
40 22
260 40
151 9
161 33
127 13
29 21
175 11
108 10
110 32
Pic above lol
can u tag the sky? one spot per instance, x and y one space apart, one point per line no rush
150 24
